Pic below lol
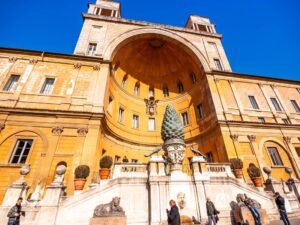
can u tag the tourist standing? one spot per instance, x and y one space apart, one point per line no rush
15 213
212 212
173 214
281 207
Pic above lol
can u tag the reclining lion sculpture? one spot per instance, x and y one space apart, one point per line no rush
110 209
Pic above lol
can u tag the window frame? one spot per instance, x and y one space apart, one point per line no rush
276 158
15 146
200 115
193 78
261 120
166 91
254 103
136 89
93 52
180 87
43 88
122 114
151 92
153 119
185 118
13 88
276 104
133 121
295 105
218 64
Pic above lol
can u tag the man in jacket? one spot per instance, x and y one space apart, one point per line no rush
212 213
15 213
173 214
281 207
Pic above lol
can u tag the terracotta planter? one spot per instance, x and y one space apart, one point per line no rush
238 173
257 181
79 184
104 173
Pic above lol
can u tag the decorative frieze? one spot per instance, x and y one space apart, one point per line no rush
96 67
77 65
57 130
12 59
234 137
287 139
33 61
251 138
2 126
82 131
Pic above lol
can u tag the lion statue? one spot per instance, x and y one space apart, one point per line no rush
110 209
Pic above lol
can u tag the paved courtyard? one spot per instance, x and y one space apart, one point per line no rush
293 222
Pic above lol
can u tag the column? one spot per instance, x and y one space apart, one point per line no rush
223 100
294 156
238 101
285 108
262 88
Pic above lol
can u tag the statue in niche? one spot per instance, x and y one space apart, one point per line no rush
110 209
151 105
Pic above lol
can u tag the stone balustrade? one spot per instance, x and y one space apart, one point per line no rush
217 169
130 170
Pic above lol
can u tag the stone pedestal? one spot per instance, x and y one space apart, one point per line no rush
13 193
119 220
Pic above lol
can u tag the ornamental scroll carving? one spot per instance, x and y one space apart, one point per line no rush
82 131
234 137
57 130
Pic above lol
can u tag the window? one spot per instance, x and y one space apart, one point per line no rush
151 124
92 49
47 86
134 160
185 118
298 151
218 65
209 157
123 83
286 121
137 89
135 121
199 111
276 104
21 151
296 106
11 83
201 27
151 92
193 78
276 160
117 158
253 102
106 12
121 115
261 120
166 91
96 11
180 87
110 104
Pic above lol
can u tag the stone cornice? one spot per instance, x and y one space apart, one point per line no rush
56 113
144 23
258 125
238 76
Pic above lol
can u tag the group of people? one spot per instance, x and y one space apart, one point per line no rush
212 212
16 212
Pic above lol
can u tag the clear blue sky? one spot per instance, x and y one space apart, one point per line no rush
260 36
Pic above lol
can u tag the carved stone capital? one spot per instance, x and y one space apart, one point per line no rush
251 138
234 137
57 130
287 139
82 131
96 67
2 126
77 65
12 59
33 61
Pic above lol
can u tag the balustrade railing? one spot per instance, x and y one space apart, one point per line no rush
130 170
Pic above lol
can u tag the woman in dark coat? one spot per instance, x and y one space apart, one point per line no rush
173 214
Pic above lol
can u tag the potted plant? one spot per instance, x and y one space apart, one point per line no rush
237 166
81 173
105 165
255 175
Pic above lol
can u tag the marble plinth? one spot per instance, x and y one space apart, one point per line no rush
120 220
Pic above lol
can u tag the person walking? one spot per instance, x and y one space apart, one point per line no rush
15 213
279 200
173 214
212 212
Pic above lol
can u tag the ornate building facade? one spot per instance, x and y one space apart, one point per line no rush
109 98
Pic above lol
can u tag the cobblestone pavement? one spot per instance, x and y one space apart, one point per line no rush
293 222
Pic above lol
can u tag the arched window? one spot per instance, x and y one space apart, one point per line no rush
165 91
193 78
151 91
137 89
180 87
123 84
116 66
